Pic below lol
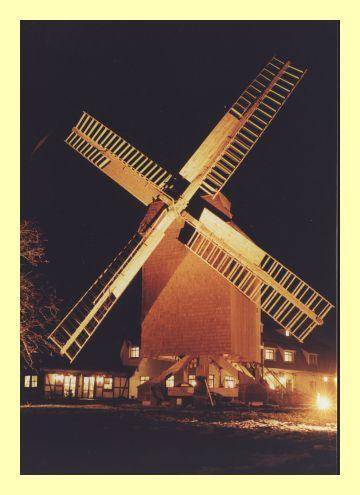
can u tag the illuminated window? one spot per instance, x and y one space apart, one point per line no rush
108 383
288 356
170 382
144 379
59 379
134 352
30 381
211 381
229 382
270 354
99 381
313 359
192 380
325 379
287 333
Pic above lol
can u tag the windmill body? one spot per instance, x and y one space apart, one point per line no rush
205 281
211 318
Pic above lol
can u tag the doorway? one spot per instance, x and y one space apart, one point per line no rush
88 387
69 386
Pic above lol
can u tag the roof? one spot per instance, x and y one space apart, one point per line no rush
278 340
220 202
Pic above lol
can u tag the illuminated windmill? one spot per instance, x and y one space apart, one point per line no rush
264 281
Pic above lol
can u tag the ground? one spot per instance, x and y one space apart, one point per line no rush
129 439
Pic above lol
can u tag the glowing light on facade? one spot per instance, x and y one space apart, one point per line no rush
322 402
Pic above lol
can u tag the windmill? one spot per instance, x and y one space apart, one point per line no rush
247 268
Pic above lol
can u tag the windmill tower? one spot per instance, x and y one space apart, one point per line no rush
212 317
194 263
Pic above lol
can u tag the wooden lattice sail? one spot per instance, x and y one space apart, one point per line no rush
80 323
286 298
121 161
227 146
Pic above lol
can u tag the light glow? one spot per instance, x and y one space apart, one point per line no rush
322 402
325 378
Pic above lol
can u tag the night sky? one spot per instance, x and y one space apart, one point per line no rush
163 86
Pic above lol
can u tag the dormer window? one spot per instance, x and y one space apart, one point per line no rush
270 354
289 356
134 352
170 382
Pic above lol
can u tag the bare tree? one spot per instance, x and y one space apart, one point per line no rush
38 301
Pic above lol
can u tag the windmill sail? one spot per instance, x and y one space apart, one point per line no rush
227 146
80 323
282 295
126 165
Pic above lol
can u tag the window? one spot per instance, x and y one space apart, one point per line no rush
211 381
108 383
144 379
30 381
59 379
325 379
313 359
287 333
134 352
288 356
170 382
69 386
229 382
193 363
270 354
192 380
100 381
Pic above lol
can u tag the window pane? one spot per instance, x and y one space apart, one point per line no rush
192 380
144 379
170 382
229 382
134 352
108 383
34 379
269 354
27 381
288 356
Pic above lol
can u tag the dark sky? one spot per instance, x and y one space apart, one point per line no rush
163 86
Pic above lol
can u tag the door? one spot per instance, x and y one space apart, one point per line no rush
69 386
88 387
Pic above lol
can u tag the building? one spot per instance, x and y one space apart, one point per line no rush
298 372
